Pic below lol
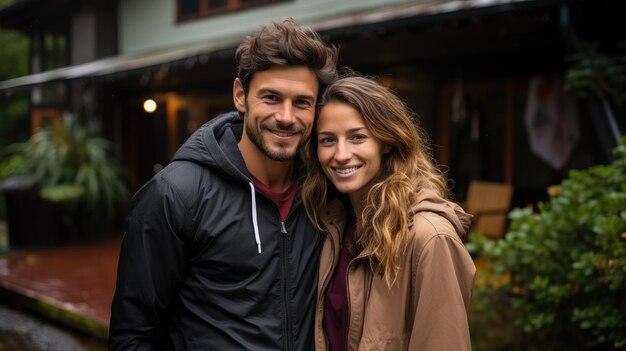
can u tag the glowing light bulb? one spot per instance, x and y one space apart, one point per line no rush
149 105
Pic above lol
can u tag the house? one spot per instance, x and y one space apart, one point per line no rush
484 76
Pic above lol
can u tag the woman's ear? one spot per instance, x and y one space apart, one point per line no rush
239 96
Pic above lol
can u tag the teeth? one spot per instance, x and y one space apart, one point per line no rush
347 170
283 134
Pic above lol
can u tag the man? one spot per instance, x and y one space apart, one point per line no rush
218 254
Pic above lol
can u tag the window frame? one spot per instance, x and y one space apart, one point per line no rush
205 11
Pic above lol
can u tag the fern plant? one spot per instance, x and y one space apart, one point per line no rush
71 163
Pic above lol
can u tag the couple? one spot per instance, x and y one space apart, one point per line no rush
243 242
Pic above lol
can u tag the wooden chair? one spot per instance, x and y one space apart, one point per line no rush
489 203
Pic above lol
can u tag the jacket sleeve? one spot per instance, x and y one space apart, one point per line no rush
443 275
151 265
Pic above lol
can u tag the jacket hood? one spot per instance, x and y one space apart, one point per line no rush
427 200
215 145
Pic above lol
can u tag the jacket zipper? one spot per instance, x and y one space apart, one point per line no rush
287 328
285 294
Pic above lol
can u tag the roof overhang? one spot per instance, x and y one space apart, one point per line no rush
153 60
429 10
127 64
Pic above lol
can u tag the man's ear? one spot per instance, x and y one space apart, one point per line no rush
239 96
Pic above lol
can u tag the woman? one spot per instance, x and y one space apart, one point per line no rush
394 273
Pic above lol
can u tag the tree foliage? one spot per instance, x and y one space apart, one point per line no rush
596 73
562 268
13 63
14 53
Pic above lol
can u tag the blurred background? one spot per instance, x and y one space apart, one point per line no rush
96 96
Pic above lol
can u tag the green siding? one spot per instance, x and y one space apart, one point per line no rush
147 24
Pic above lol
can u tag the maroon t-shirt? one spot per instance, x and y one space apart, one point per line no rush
336 306
283 200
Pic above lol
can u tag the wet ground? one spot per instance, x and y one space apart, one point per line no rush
78 278
23 331
57 298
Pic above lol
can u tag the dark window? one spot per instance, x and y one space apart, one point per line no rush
218 4
191 9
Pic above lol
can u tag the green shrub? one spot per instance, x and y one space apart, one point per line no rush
562 268
71 163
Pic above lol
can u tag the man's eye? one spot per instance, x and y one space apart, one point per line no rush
302 103
270 98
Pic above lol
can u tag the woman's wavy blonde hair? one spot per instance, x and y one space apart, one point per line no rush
405 168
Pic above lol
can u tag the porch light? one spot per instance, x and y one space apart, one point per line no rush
149 105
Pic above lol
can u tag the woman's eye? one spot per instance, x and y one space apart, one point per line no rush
359 137
325 141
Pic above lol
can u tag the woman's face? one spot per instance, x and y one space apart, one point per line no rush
347 151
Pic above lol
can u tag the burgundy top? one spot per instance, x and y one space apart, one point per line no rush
283 200
336 307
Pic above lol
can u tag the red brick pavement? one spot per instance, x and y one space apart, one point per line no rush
73 284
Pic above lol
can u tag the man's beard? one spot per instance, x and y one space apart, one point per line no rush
281 155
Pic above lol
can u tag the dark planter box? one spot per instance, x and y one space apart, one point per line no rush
32 222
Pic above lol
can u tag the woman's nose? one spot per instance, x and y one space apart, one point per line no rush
343 152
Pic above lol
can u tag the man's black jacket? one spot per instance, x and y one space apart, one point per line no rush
193 275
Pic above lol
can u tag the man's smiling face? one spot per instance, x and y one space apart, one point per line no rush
279 110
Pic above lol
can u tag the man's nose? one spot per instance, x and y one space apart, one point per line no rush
286 114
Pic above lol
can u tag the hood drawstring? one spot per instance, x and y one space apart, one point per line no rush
255 223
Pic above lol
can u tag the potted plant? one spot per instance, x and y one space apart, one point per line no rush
71 168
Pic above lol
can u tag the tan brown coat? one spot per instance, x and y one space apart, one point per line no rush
426 308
